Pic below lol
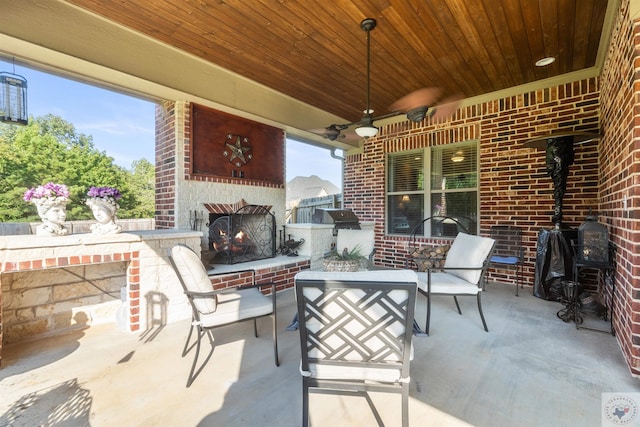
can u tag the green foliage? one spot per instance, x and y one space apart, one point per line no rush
143 180
354 254
50 149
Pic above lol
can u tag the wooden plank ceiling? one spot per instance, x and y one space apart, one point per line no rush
315 51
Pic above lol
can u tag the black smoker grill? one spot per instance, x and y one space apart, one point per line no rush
340 218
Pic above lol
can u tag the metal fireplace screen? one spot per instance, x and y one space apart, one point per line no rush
245 235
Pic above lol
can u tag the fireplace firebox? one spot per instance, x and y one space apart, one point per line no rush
248 234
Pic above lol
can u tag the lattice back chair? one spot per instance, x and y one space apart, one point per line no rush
464 273
355 333
213 308
509 252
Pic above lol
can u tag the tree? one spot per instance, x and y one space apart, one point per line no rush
143 180
50 149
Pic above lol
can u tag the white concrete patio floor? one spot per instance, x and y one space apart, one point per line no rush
531 369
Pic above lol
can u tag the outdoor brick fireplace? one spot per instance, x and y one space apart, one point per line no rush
240 232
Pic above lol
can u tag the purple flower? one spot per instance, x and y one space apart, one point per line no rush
104 192
49 190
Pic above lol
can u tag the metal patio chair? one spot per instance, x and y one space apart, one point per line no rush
508 252
213 308
463 273
355 333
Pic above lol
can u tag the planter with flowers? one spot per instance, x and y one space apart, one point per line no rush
104 205
51 201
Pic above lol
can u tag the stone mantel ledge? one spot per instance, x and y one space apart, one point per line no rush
31 247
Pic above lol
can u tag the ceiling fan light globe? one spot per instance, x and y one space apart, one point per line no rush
457 157
367 131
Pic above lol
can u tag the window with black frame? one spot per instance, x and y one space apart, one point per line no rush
437 181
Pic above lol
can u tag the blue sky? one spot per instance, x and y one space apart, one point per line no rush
123 126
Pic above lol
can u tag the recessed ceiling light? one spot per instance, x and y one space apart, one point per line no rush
545 61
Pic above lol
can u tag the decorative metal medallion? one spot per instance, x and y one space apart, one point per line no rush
238 152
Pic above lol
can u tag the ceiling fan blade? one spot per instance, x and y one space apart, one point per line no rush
350 136
330 132
447 108
419 98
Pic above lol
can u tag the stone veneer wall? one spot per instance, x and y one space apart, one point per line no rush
48 284
41 306
619 172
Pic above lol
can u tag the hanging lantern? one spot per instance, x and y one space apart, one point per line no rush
593 241
13 99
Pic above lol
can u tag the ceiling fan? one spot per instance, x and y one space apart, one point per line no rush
416 105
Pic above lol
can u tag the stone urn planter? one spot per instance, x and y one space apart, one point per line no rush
340 265
104 205
51 201
343 261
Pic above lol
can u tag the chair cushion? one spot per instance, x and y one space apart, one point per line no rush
470 252
445 283
505 259
238 304
360 276
194 276
329 372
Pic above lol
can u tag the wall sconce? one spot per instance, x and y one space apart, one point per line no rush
457 157
13 99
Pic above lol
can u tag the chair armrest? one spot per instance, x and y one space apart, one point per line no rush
456 268
196 294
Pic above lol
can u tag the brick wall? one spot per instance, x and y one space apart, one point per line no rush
281 275
618 178
166 152
514 185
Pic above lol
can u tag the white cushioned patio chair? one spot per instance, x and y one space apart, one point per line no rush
355 333
464 273
213 308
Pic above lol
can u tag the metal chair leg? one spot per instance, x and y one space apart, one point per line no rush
185 350
193 374
426 329
405 405
457 305
484 323
305 403
275 340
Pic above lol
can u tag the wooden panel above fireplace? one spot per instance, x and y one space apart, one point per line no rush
233 147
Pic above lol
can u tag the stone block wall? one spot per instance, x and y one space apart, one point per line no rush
44 302
52 284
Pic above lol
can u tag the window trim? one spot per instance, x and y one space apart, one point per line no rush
427 191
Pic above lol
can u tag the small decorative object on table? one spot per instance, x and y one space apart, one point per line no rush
104 205
51 202
347 260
